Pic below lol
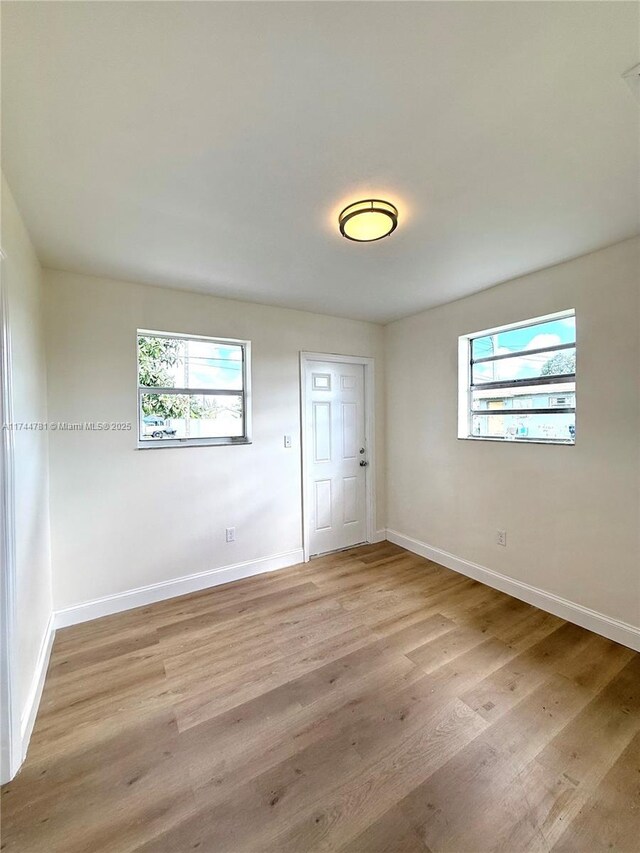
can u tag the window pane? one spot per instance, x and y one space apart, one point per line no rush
550 427
498 422
213 365
550 333
172 416
179 363
557 394
525 366
160 361
519 410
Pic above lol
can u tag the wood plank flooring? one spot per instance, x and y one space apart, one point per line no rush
367 701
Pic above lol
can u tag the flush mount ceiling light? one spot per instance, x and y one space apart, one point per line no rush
368 220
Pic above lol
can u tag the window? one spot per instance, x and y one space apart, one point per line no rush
518 382
192 390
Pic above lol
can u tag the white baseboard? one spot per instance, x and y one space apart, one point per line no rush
614 629
142 596
379 536
30 710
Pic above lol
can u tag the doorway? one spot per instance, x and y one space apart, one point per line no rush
337 452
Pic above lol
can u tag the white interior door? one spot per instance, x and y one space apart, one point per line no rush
336 455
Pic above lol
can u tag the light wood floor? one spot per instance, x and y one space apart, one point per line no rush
368 701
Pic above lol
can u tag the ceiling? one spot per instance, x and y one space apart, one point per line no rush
210 146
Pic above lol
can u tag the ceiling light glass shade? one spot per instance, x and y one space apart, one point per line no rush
368 220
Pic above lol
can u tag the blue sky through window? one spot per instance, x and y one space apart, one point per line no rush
212 365
202 364
519 342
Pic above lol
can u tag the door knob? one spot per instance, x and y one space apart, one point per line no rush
363 463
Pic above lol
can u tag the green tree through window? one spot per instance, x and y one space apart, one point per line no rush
155 358
561 363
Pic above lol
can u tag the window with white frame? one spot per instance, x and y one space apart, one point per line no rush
192 390
518 382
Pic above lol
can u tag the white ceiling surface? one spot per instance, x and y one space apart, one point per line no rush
210 146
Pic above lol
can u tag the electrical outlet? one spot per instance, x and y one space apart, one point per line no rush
230 534
287 441
501 538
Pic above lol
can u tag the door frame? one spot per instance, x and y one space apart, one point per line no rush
10 734
306 360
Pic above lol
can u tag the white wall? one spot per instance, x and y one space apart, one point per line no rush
571 513
22 277
124 518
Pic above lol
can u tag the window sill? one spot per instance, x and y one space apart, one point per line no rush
559 441
161 444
